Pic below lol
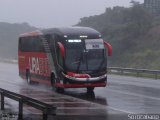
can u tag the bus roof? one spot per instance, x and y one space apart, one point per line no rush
85 31
71 31
34 33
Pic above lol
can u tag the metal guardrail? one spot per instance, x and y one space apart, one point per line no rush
45 108
137 71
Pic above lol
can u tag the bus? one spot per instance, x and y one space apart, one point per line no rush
70 57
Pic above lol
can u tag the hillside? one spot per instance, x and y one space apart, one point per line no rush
9 38
134 34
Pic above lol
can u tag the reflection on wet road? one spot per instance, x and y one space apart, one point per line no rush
123 96
127 94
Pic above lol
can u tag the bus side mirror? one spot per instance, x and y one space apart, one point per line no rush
62 50
109 47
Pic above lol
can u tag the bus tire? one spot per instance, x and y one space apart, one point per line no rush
28 77
59 90
53 80
90 89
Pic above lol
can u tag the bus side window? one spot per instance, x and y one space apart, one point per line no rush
36 45
23 44
19 44
31 44
26 44
41 46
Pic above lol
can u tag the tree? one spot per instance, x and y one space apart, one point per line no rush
134 3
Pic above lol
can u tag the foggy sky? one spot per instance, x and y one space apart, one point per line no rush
54 13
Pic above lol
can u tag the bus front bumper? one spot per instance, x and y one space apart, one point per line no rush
101 78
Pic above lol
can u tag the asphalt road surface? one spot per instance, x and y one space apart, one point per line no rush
122 98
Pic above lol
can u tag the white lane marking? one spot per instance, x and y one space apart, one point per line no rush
40 97
83 115
72 102
82 108
134 94
116 109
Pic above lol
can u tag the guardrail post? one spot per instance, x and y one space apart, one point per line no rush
2 100
49 110
46 108
45 116
121 71
137 74
20 114
156 76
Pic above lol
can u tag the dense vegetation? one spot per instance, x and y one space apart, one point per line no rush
133 32
9 38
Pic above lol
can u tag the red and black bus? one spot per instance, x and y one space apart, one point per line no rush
71 57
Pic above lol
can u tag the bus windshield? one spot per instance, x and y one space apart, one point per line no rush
84 55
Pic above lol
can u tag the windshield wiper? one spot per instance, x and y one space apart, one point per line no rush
80 60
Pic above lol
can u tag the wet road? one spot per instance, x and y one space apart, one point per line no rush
128 94
123 96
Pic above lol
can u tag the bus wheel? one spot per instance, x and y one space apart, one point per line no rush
90 89
53 81
59 90
28 77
